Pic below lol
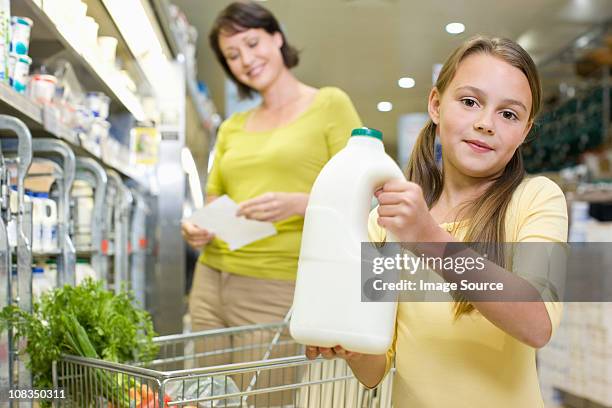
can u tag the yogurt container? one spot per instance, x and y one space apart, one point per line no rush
98 103
19 67
99 131
21 28
42 88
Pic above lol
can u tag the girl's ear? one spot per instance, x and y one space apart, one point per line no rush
433 106
527 130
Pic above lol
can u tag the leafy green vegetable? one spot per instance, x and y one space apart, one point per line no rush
85 320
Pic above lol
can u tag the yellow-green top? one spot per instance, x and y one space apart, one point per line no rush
286 159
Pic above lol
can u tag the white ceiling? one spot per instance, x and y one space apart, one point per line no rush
365 46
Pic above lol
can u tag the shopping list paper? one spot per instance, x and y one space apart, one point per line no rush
220 217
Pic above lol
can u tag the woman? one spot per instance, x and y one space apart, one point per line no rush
266 159
471 353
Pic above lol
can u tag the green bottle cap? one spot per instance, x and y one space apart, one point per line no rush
364 131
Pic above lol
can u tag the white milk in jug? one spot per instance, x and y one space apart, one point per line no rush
327 306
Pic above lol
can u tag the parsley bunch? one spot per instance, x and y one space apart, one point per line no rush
84 320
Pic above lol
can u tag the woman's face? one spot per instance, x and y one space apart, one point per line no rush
483 116
253 56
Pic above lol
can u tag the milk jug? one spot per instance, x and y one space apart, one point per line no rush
49 223
327 306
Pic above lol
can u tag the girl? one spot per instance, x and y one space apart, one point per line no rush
470 354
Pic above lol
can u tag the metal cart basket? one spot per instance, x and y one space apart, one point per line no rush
248 366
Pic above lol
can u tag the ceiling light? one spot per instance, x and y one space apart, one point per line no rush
385 106
455 28
406 82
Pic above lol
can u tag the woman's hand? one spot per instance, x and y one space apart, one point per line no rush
272 207
195 236
331 352
404 212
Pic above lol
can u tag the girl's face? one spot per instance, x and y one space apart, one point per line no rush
482 117
253 56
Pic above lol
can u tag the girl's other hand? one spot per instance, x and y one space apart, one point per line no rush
330 353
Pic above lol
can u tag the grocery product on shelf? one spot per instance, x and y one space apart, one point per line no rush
82 194
108 50
49 223
88 34
42 88
19 68
5 38
99 104
144 143
21 28
40 282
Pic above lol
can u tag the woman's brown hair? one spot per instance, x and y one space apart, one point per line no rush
488 212
241 16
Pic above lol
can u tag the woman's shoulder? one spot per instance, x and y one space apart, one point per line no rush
334 95
236 120
235 123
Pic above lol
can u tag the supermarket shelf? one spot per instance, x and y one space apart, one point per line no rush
39 119
161 8
98 78
20 103
45 254
85 251
192 90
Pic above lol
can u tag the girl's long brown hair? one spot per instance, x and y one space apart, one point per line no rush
488 212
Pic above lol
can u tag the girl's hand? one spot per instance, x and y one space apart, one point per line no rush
195 236
403 211
273 207
330 353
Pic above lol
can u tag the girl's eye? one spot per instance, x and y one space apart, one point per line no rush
253 43
469 102
509 115
231 57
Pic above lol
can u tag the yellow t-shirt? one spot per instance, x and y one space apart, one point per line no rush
286 159
469 362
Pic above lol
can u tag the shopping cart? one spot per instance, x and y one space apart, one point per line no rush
248 366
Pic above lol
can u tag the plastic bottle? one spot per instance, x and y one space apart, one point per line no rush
38 213
48 235
327 306
84 203
50 267
40 283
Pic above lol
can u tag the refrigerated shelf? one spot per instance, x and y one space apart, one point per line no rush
53 39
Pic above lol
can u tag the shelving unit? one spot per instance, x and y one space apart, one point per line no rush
47 39
204 118
33 115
